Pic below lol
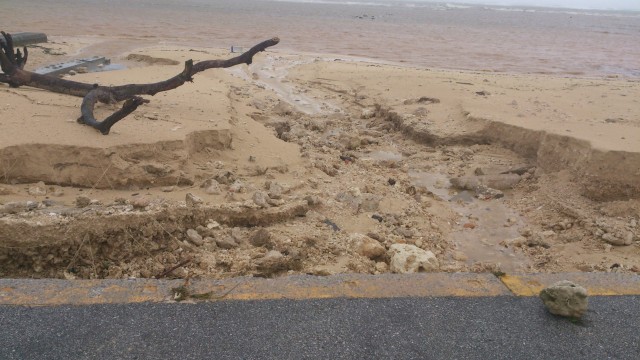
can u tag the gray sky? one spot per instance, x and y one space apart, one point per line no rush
575 4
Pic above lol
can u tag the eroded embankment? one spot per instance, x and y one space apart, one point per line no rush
107 241
120 167
602 175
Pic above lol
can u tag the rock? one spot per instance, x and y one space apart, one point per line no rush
539 239
192 200
39 189
485 193
367 246
382 267
271 263
282 109
368 113
237 187
515 242
565 298
275 190
260 199
140 202
225 178
5 191
18 207
226 243
194 237
406 259
261 237
213 224
618 239
211 187
82 201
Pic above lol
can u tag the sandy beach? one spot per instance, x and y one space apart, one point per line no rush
320 164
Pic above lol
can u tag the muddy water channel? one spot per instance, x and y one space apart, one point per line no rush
482 226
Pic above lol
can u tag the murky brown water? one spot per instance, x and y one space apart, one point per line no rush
437 36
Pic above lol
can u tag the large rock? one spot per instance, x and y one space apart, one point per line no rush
565 298
407 259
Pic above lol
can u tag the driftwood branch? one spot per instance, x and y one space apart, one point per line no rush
13 62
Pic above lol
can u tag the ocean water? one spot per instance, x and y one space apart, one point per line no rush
425 34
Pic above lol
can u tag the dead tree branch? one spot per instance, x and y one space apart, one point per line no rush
13 62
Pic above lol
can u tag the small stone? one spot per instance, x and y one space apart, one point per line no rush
237 187
140 202
5 191
261 237
367 246
565 298
194 237
38 189
260 198
213 224
382 267
168 189
82 201
226 243
406 259
368 113
211 187
271 263
617 240
192 200
275 190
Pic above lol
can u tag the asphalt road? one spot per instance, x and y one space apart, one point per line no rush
503 327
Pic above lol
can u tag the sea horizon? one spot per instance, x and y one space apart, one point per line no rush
436 35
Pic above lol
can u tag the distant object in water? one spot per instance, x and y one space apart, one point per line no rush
26 38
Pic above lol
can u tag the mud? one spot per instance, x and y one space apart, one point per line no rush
366 172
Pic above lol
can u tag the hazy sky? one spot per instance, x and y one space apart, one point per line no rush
575 4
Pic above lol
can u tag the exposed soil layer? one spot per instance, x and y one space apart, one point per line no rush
308 175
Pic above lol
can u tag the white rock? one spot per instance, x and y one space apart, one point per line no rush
406 259
368 113
565 298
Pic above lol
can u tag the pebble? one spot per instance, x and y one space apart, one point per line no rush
211 187
39 189
194 237
140 202
82 201
565 298
193 201
261 237
260 198
226 243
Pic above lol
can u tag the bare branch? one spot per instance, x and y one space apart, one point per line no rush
15 75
